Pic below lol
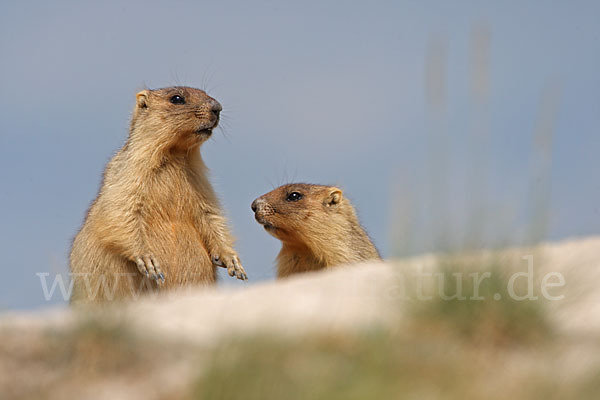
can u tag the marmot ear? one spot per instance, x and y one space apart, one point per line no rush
142 99
334 197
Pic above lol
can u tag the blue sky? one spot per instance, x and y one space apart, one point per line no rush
323 92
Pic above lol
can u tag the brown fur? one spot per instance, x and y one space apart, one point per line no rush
317 231
156 214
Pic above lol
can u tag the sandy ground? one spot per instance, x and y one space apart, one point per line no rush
344 299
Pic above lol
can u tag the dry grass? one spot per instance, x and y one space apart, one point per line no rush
472 311
386 365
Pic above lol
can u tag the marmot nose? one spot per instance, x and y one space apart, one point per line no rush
259 205
216 108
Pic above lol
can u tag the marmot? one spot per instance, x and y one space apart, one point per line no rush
156 221
317 226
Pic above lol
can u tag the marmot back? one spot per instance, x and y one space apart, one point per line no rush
156 221
317 226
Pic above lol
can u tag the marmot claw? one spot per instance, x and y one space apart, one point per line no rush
149 267
233 265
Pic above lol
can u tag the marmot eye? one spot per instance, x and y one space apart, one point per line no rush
177 99
294 196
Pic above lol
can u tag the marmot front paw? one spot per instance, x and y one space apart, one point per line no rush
148 266
233 265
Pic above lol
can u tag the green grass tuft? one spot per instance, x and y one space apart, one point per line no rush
481 312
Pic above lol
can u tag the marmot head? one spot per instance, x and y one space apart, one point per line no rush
299 213
181 116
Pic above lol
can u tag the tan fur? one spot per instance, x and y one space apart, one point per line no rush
156 211
320 230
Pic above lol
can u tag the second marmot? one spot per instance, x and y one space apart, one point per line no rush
317 226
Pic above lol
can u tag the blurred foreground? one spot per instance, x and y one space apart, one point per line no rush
479 325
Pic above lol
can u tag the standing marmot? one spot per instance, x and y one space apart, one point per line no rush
317 226
156 220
